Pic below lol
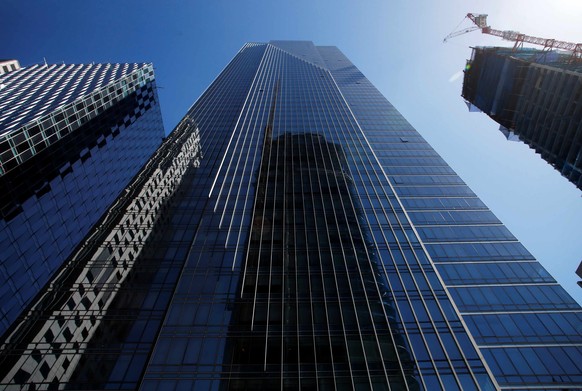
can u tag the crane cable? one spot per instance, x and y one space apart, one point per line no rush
456 29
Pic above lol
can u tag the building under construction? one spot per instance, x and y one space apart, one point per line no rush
536 96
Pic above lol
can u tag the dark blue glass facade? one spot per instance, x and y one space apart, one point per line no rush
71 138
295 232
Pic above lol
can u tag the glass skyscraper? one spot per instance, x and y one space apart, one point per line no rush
295 232
71 139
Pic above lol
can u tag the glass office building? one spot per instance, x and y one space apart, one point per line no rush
71 139
295 232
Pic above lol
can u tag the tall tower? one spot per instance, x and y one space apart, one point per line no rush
71 138
294 231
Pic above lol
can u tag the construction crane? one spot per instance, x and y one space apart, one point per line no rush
480 23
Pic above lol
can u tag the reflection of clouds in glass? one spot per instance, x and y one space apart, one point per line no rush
455 76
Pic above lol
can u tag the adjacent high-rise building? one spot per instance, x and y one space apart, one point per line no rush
8 66
71 139
295 232
535 96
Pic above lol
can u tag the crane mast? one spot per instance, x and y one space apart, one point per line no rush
480 23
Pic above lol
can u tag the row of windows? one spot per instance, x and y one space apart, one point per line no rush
521 328
418 170
410 156
512 298
442 203
506 251
427 180
434 191
389 159
453 217
535 366
465 233
458 273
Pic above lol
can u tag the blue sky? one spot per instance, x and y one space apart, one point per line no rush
396 43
